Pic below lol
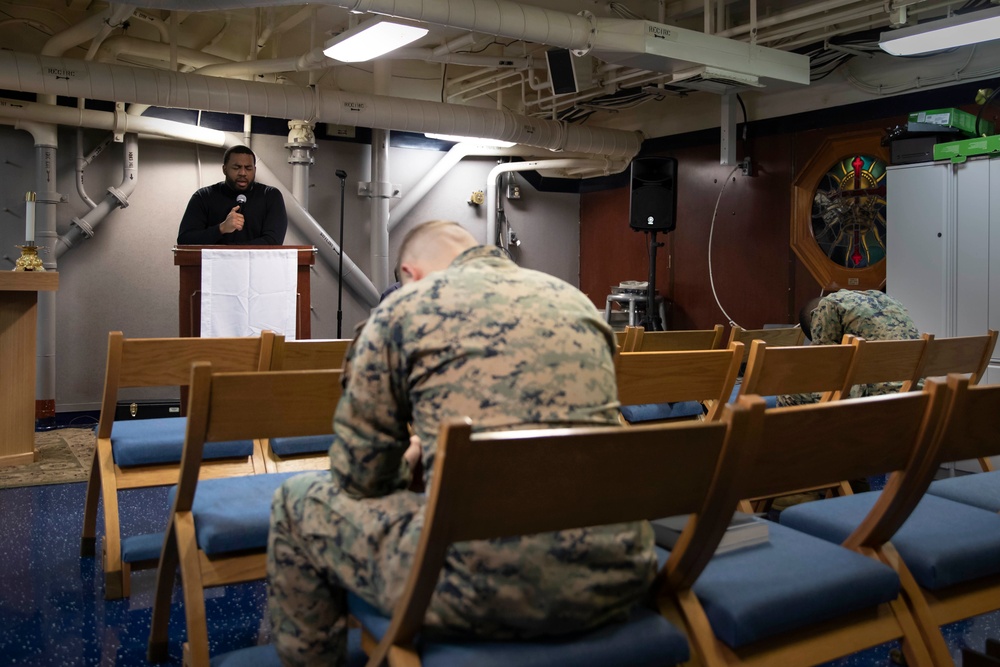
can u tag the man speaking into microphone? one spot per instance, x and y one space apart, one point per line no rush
236 211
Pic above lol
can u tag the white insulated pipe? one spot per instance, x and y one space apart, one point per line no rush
493 17
380 188
493 178
83 227
45 235
433 176
75 78
106 120
120 45
11 110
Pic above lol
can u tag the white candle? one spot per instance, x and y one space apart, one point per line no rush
29 218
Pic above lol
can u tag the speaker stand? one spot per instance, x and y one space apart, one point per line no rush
651 319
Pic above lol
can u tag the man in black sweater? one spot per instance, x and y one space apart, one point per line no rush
216 215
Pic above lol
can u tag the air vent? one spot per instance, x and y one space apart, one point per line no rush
696 59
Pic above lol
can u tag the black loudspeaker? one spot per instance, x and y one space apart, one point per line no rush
653 205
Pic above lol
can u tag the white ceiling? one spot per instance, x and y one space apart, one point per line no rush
839 36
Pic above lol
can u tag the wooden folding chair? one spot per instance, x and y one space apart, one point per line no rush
565 478
810 369
799 600
879 361
676 341
704 376
620 339
945 551
961 354
144 453
778 336
219 536
307 453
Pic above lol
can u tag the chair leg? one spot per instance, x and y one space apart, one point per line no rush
916 603
114 588
844 489
88 534
159 623
257 460
683 608
194 591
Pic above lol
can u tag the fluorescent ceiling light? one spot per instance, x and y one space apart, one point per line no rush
959 30
371 39
469 140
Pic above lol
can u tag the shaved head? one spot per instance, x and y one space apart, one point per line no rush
432 246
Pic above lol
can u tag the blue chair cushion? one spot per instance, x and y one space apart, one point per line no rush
769 401
144 442
267 655
138 548
645 412
307 444
792 581
233 513
646 638
942 542
981 490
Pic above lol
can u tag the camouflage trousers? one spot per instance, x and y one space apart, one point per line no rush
324 543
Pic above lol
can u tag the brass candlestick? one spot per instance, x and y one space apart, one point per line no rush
29 259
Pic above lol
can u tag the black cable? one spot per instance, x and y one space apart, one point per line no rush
746 120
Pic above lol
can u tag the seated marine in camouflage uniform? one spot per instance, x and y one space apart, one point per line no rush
870 314
468 334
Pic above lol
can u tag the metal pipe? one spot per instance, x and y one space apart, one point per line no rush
492 181
117 197
190 91
380 190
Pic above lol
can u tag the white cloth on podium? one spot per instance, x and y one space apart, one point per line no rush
244 292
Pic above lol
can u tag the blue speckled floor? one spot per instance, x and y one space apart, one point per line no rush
52 609
53 613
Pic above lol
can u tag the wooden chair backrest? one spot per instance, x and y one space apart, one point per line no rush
620 339
565 478
676 341
779 450
245 406
965 416
972 420
779 336
961 354
306 355
628 339
771 371
668 377
166 362
883 361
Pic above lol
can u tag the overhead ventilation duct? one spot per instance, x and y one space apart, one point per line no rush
699 58
645 45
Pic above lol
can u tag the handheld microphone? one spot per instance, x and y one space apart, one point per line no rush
240 200
341 173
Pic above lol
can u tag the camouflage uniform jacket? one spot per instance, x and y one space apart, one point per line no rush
872 315
509 348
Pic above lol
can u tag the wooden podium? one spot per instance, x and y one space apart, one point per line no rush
18 312
188 258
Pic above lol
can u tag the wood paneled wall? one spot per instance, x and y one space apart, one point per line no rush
758 279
